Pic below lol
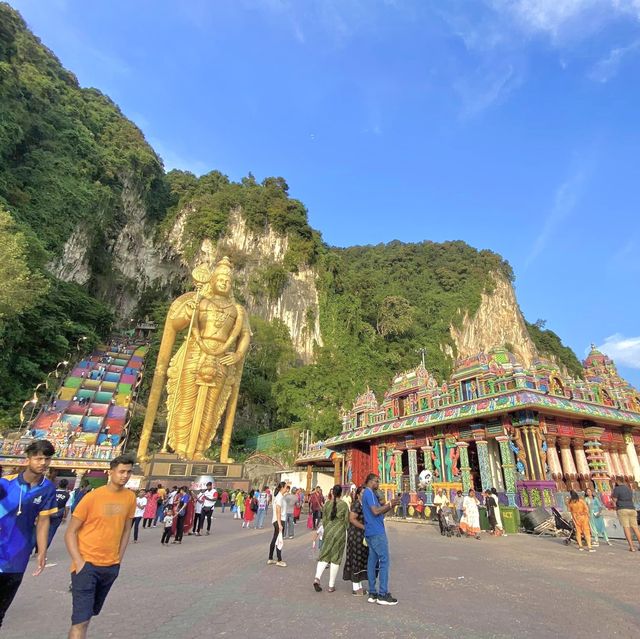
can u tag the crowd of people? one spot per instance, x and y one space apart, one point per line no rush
349 528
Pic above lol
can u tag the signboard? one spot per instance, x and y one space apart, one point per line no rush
178 469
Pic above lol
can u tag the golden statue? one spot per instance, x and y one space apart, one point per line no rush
203 377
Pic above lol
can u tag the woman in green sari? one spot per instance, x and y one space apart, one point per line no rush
335 517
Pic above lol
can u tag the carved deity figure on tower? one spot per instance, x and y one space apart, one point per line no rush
203 377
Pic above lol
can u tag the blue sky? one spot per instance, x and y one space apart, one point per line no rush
510 124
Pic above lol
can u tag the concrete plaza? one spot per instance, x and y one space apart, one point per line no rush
220 586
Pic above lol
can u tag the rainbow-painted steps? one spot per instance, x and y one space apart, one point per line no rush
88 416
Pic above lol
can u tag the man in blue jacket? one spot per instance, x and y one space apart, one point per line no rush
26 502
376 537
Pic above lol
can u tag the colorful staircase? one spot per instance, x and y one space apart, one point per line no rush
88 417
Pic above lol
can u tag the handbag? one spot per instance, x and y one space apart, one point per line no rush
310 522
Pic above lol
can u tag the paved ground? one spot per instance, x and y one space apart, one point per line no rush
220 586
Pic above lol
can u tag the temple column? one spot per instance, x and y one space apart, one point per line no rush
309 478
611 471
483 463
80 473
596 458
428 465
413 469
508 468
553 460
632 456
616 467
398 458
337 470
465 469
382 467
626 466
534 465
568 467
582 465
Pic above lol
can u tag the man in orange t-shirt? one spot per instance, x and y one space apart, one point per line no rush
96 538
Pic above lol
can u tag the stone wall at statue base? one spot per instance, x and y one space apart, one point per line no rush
170 470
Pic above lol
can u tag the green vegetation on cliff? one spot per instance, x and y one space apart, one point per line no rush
550 345
66 155
65 152
379 306
209 200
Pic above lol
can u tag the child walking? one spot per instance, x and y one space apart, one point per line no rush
168 522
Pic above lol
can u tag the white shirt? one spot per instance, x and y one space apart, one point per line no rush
210 497
198 506
141 502
279 501
171 497
439 501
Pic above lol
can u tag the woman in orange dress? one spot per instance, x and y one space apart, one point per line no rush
580 514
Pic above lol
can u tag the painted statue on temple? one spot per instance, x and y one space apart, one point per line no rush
203 377
437 464
452 453
517 446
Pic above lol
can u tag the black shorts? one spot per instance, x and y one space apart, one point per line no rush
89 589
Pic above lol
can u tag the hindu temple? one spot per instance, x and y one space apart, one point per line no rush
533 434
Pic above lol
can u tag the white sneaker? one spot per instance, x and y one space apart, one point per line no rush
282 564
271 562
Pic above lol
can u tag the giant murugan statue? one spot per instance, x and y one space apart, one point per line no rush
203 377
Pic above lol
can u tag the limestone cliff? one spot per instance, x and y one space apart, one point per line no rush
297 304
139 260
497 322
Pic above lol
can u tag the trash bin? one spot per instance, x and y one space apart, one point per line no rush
510 519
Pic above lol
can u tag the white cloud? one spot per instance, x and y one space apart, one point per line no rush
625 351
565 200
608 67
560 19
486 88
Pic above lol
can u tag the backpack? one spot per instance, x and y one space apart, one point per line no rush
254 505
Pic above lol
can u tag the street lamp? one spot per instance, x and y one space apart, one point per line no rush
422 351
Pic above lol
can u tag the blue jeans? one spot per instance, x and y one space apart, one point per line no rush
260 518
288 526
378 559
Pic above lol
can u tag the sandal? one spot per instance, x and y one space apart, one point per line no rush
316 586
331 589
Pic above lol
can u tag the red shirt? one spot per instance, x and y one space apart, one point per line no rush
316 501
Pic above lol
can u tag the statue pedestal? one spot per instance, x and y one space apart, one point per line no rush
170 470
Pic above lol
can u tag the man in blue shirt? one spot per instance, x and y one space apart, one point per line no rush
376 537
26 502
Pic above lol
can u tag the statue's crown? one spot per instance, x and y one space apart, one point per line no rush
223 265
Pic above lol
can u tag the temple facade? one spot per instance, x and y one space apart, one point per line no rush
533 434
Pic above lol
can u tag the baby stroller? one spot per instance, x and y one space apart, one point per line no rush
448 523
563 527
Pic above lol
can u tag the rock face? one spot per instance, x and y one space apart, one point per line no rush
73 265
135 261
139 261
297 306
497 322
